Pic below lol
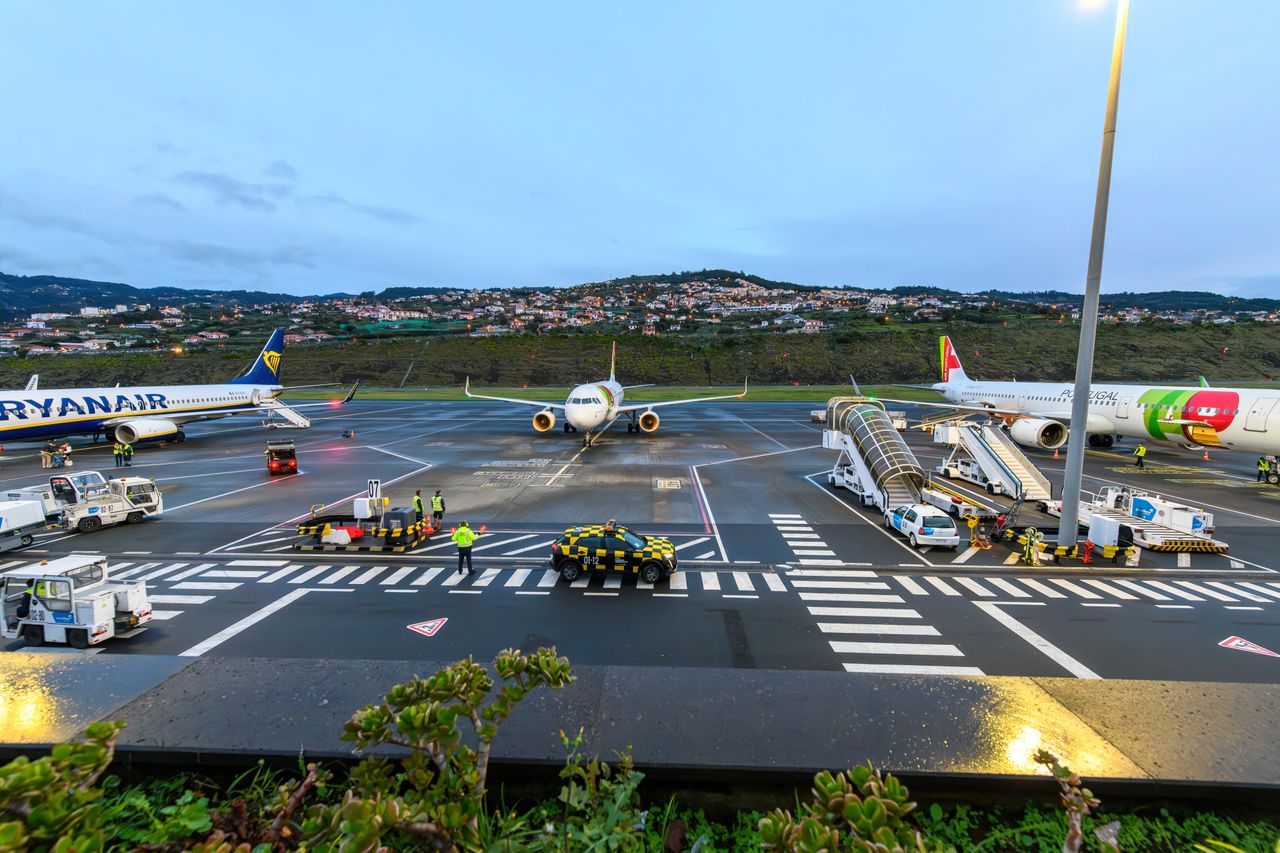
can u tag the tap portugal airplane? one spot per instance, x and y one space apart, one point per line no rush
146 412
1038 413
593 407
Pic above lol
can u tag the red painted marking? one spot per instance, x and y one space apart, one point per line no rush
429 628
699 497
1223 401
1240 644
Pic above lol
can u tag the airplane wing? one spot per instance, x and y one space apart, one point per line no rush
182 417
466 389
637 406
976 409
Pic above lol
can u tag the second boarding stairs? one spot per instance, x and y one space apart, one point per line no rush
1001 466
293 419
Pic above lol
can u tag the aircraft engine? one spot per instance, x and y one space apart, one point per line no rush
648 422
141 429
544 420
1038 432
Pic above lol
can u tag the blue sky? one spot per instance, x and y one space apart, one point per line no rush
313 147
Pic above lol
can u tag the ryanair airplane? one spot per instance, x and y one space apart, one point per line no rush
154 412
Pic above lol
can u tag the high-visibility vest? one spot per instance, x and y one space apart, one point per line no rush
1140 451
128 450
417 504
41 589
464 536
1264 464
117 449
437 503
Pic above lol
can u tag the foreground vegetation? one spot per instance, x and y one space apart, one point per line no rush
1247 352
438 797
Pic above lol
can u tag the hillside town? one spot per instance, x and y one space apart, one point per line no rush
711 305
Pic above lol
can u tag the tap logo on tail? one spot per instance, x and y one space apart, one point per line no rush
950 361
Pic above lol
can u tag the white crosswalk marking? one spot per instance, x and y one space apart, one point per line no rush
247 574
527 548
582 582
1173 590
801 583
911 669
929 649
679 580
967 554
1008 588
280 574
131 572
774 583
1012 558
877 628
1109 589
517 577
1041 588
833 573
1259 588
212 586
186 573
163 615
368 575
338 575
1235 591
309 574
851 597
269 564
693 542
511 541
813 552
150 576
865 612
1205 591
813 561
1141 590
550 577
426 577
975 587
942 586
910 586
742 580
486 577
454 579
1076 588
180 599
783 515
4 567
396 576
710 580
799 537
794 528
612 581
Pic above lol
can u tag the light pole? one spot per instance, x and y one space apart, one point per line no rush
1069 527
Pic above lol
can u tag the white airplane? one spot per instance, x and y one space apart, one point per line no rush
146 412
592 408
1038 413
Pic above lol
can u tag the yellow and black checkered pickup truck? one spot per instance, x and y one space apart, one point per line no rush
610 547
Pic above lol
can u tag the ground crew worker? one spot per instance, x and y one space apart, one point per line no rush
465 537
437 509
1264 467
1139 453
46 459
117 450
128 455
417 505
1031 550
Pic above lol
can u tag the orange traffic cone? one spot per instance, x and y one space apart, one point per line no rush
1055 453
1206 456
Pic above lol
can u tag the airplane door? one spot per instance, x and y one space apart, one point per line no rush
1256 420
1122 408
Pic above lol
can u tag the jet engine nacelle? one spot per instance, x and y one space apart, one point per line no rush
1038 432
544 420
145 428
648 421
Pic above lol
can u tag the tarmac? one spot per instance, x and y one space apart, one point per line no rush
798 634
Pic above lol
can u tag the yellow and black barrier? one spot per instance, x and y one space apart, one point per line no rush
1188 546
1074 552
385 540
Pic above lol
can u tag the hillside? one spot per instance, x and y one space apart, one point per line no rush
1248 352
21 295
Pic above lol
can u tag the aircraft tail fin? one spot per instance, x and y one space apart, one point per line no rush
952 371
613 362
266 369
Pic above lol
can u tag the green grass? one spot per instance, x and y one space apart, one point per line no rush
817 394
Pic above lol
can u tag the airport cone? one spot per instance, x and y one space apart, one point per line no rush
1055 453
1206 456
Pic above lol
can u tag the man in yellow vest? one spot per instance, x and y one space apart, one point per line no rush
464 537
128 454
1264 468
437 510
417 505
117 450
1139 453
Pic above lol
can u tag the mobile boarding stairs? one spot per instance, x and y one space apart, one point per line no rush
985 455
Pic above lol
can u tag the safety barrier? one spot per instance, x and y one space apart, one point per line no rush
387 540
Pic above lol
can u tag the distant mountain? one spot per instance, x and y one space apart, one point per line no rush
21 295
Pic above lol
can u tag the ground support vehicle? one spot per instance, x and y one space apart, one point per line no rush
985 455
128 499
370 527
874 462
63 491
923 525
20 521
71 600
610 547
1148 520
282 457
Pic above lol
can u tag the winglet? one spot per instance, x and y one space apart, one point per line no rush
744 387
466 387
1204 383
854 383
613 362
351 395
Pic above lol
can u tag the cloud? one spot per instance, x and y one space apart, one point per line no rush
213 254
282 170
394 215
227 190
159 200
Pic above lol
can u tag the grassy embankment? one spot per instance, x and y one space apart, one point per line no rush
817 394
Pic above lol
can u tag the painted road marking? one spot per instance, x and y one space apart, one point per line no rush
1141 590
249 621
1078 590
426 577
705 556
247 574
159 572
910 586
941 585
582 581
693 542
310 573
518 577
180 599
1241 607
1186 596
270 564
1008 587
1175 607
194 570
1100 604
835 584
1042 645
851 597
544 544
1259 588
368 575
975 587
1248 595
774 583
339 574
911 669
1205 591
710 580
678 581
795 528
396 576
783 515
511 541
799 536
486 577
549 578
275 576
928 649
131 572
813 552
742 581
967 554
1110 590
209 585
1012 558
613 582
865 612
834 573
812 562
1041 588
163 615
877 628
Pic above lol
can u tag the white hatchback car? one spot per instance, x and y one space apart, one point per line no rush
923 525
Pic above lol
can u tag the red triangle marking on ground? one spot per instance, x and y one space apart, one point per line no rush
429 628
1240 644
